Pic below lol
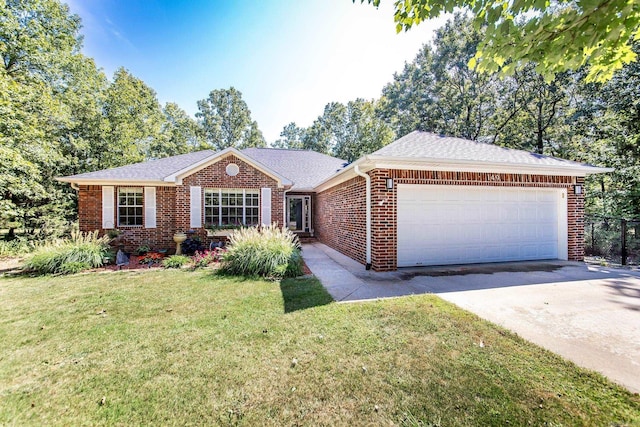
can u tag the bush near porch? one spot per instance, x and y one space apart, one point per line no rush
267 251
180 347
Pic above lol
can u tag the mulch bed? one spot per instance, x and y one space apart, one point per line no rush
134 264
305 270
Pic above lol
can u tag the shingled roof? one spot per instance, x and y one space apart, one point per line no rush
426 145
429 151
304 168
152 170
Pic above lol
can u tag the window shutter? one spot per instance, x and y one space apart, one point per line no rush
150 207
196 207
108 211
265 206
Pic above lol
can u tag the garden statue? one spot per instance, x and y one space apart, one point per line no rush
121 258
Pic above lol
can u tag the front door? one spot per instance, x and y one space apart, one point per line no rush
299 213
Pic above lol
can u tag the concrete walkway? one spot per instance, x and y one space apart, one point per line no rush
587 314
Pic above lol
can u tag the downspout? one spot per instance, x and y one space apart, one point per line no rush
367 180
75 186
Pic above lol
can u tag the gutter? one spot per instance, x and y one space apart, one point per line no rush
367 178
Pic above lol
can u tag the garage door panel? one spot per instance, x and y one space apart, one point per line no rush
454 224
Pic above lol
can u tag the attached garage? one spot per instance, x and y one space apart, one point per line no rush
437 200
461 224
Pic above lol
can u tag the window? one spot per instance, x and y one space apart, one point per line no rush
231 207
130 206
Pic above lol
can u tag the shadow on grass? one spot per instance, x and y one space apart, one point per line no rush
300 294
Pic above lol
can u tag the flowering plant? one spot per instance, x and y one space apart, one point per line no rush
204 258
151 258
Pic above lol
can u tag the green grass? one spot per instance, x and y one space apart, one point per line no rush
177 347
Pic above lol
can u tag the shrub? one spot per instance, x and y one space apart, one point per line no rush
192 245
73 267
266 251
202 259
19 246
175 261
86 249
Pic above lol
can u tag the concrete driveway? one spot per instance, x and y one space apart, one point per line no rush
587 314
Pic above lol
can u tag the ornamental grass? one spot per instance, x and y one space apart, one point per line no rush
263 251
64 256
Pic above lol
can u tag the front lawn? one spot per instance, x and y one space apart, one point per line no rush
181 347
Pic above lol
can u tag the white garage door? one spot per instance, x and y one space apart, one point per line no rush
446 224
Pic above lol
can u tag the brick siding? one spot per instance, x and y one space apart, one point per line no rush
340 213
339 218
172 204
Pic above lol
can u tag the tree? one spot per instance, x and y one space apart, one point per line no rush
437 92
179 133
363 131
253 136
530 112
39 44
555 35
348 131
37 37
290 137
408 102
134 119
226 120
81 138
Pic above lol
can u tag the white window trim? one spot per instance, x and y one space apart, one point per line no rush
117 205
245 191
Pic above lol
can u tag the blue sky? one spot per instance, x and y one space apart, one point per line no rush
288 58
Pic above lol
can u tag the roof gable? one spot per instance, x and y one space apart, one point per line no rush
428 151
298 169
426 145
216 157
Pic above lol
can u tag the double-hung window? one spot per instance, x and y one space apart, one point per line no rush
130 206
231 207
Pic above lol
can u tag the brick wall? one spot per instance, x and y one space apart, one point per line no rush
340 212
575 229
90 218
214 176
90 208
172 204
339 218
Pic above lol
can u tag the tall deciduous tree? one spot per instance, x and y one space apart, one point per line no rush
134 119
437 92
348 131
290 137
179 134
555 35
226 120
531 110
253 136
37 38
363 131
39 41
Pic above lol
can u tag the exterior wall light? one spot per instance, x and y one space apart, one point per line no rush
389 183
577 189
